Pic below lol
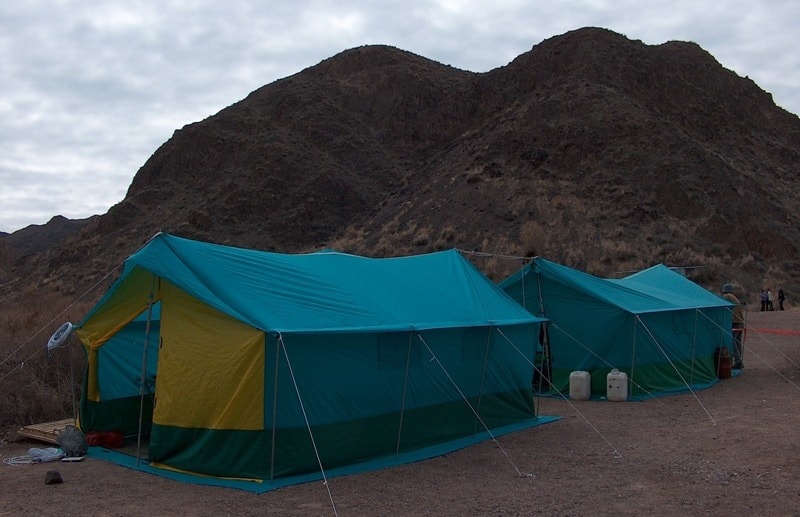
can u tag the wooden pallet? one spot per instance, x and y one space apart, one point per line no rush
46 432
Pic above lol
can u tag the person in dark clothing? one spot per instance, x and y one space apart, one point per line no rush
781 298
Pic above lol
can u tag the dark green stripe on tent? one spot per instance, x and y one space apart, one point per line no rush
250 454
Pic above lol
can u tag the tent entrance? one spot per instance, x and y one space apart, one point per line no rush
126 379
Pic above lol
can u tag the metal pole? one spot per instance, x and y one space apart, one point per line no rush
143 376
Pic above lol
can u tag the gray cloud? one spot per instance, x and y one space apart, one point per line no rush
90 91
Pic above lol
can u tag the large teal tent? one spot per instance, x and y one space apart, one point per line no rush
657 326
272 367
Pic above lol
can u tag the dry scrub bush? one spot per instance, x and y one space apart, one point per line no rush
503 257
532 238
41 389
449 237
774 276
351 242
422 237
523 206
701 276
37 386
473 176
615 253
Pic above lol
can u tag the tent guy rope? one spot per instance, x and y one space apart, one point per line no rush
770 365
308 424
615 452
49 324
472 408
604 361
671 363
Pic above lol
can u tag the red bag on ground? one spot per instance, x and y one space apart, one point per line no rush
108 439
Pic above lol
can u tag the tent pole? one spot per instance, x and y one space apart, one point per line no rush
405 390
545 338
546 364
541 297
633 351
72 382
483 381
278 344
143 376
694 346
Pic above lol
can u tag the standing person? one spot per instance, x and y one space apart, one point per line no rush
763 297
781 297
737 324
770 307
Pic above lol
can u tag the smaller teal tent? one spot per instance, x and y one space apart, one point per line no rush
657 326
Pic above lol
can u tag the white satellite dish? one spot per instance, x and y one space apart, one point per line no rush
59 336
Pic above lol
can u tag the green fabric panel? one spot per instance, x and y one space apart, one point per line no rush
224 453
646 380
377 437
118 414
248 454
260 487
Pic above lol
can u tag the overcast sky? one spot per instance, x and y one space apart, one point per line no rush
89 90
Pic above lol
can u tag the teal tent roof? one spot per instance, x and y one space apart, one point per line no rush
328 291
655 289
674 288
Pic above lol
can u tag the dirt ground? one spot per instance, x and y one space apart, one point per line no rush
728 450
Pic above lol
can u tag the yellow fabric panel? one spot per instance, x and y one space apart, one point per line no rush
131 300
92 384
210 367
193 473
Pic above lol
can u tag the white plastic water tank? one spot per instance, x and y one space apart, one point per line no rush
617 382
580 385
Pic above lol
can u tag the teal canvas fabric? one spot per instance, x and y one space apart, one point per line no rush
657 326
673 288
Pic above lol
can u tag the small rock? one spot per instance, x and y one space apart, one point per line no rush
52 478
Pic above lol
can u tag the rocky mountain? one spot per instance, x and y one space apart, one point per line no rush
591 149
38 238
